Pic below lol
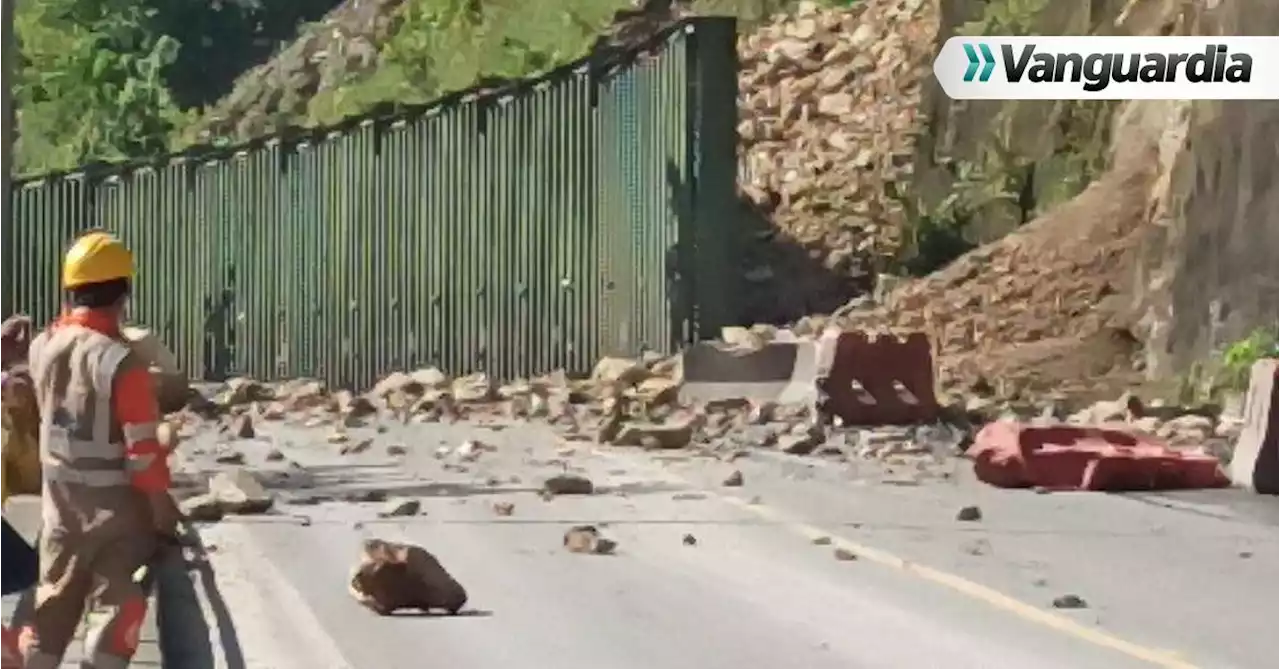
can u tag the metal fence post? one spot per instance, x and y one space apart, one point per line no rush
718 230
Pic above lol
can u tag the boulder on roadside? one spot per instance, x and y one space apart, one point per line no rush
238 491
395 576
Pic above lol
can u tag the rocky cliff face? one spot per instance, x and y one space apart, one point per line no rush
1207 274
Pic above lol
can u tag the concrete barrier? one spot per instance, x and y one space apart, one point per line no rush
877 380
1253 461
782 372
861 379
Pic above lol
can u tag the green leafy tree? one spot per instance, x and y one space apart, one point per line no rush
91 85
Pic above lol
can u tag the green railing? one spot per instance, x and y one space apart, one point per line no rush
583 213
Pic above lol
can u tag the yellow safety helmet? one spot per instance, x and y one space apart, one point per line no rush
96 257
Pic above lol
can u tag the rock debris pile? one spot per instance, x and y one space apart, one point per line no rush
829 113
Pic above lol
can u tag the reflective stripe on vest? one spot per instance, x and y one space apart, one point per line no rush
88 362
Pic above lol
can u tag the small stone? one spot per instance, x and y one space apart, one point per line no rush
733 480
1069 602
689 540
401 507
371 495
802 440
337 437
822 541
274 455
844 555
969 514
229 456
568 484
242 427
503 508
469 450
396 450
587 539
355 448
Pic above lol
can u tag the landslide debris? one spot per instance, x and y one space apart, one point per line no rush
829 112
275 95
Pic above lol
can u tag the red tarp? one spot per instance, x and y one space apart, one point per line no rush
1007 454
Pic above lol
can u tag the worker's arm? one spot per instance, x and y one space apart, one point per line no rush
139 415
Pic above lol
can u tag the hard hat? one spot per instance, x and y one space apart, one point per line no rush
95 258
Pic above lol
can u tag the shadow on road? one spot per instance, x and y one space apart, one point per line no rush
185 636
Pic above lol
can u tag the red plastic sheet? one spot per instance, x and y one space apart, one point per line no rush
1067 457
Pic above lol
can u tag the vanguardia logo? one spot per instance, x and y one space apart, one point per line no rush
1098 70
987 62
1053 67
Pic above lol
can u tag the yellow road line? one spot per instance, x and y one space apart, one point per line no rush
1159 658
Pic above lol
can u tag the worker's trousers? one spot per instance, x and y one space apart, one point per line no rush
88 569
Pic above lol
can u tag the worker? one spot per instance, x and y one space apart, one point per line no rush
106 497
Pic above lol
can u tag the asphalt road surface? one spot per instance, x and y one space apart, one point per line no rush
1168 581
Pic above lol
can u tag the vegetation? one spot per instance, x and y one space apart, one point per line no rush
104 80
1021 159
1236 362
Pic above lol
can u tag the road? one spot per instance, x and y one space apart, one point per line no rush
1169 582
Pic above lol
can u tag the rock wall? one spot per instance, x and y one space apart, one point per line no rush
1208 271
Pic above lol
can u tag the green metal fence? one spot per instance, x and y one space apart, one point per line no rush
581 214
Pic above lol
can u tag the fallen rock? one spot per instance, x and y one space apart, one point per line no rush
241 390
969 514
470 450
355 448
401 507
228 456
396 450
568 484
733 480
368 495
689 540
666 436
16 337
202 508
394 576
474 388
621 371
504 508
1069 602
587 539
238 491
274 455
242 427
801 442
844 555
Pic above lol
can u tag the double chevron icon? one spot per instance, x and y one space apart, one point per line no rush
987 61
